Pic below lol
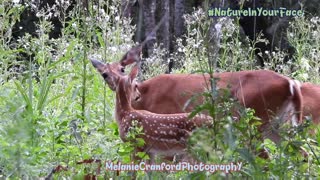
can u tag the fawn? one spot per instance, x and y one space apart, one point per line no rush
164 134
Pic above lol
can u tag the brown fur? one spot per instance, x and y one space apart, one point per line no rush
311 101
264 91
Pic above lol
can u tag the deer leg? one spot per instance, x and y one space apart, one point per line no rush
188 158
168 158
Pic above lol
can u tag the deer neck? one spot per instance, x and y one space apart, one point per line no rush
123 103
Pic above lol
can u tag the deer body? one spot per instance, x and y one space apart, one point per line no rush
267 92
261 90
164 134
311 101
264 97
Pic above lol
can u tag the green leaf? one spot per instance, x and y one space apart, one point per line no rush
114 126
100 39
142 155
270 145
245 154
140 142
24 95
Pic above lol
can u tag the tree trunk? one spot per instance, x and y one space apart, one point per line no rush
178 18
165 26
126 8
149 8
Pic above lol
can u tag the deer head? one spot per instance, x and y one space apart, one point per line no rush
110 72
133 55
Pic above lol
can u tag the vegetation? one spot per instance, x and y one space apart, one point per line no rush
56 110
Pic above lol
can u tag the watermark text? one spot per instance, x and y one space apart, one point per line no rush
260 11
181 166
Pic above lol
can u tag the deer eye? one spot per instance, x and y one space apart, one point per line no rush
105 75
122 69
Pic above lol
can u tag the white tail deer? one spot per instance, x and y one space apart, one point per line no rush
311 101
164 134
268 93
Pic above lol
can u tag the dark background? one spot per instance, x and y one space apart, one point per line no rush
146 14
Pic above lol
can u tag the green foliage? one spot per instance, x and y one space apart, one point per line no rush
128 150
55 109
51 106
156 64
304 35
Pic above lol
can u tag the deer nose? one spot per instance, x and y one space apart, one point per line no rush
96 63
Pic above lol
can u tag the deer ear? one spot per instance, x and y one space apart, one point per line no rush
96 63
134 72
133 55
